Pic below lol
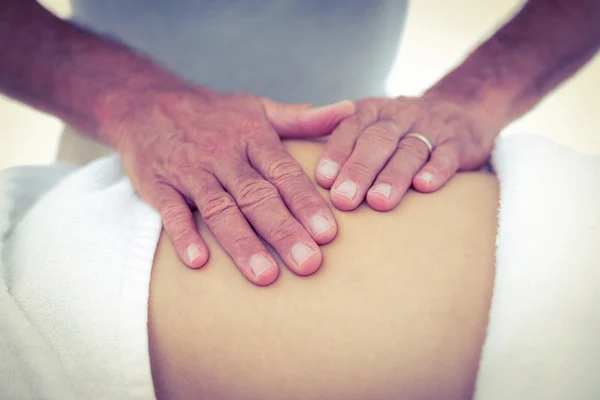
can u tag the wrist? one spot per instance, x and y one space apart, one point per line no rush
490 103
138 94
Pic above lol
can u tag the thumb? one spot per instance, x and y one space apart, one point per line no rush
304 120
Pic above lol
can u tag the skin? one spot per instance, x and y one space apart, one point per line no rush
399 312
221 153
181 145
545 43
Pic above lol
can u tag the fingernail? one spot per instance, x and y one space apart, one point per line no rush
347 188
328 169
259 264
301 252
319 224
384 189
193 252
426 176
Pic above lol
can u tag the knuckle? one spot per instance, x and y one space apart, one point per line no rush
281 230
242 242
211 144
178 235
253 193
246 123
393 173
216 208
477 142
383 135
338 152
368 109
174 213
283 170
444 165
413 148
186 163
349 127
176 221
357 168
304 200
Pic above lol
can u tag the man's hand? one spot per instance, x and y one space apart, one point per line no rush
369 155
180 145
223 153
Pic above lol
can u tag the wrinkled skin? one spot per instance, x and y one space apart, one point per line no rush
223 154
368 157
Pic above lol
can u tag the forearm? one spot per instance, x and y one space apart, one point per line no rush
544 44
61 69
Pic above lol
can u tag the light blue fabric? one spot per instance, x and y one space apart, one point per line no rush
316 51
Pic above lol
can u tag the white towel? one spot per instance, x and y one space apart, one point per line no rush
29 368
77 258
75 280
543 337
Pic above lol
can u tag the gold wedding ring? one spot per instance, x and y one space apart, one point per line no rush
422 139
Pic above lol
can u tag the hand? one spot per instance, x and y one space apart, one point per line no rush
223 154
369 156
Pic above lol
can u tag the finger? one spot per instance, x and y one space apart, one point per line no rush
221 215
373 149
180 225
396 177
341 144
442 166
262 205
304 120
296 189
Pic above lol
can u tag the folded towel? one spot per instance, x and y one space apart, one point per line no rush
74 284
543 338
29 367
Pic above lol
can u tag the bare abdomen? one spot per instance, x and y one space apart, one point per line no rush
398 309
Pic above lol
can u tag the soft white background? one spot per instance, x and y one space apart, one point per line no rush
438 35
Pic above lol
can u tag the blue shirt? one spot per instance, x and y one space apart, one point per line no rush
315 51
